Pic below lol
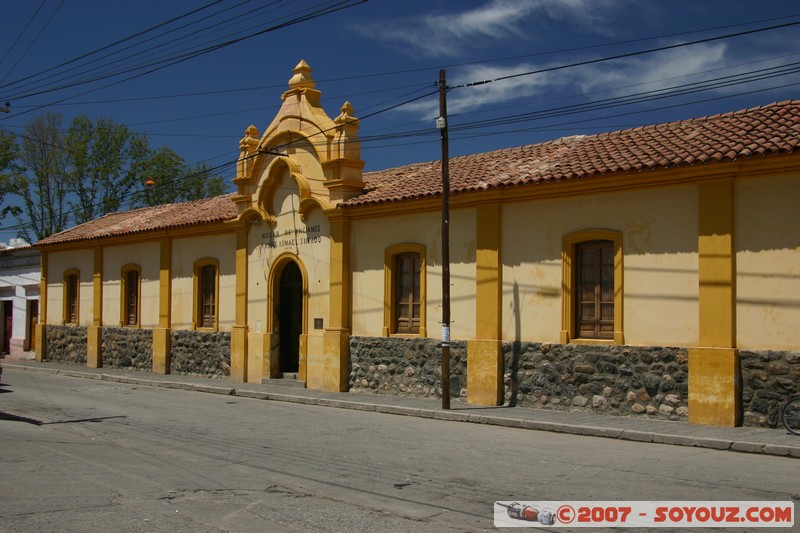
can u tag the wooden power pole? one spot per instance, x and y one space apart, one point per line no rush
441 124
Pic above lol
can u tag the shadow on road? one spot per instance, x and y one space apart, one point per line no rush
18 418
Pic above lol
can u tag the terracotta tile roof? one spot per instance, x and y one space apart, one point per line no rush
760 131
160 217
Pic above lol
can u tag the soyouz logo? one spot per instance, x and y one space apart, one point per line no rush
643 514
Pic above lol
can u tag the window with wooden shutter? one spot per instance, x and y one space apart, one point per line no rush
130 297
594 317
407 293
71 286
208 296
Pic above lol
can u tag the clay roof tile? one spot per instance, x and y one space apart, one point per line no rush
160 217
766 130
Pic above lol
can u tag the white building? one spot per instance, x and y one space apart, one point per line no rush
19 300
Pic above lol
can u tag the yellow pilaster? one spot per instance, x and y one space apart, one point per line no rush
239 353
714 387
336 338
162 334
94 333
271 367
41 326
257 348
714 391
485 352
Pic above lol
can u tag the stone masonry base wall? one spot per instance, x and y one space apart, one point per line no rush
128 348
201 353
66 344
769 378
620 380
405 367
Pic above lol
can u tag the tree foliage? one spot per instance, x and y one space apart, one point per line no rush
106 161
39 178
63 178
8 155
174 181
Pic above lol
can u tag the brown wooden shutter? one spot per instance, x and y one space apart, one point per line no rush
407 293
132 297
594 318
208 300
72 298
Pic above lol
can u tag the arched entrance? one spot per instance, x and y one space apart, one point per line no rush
290 317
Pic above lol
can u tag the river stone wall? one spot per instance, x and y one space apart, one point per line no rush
66 344
405 367
200 353
769 378
640 381
128 348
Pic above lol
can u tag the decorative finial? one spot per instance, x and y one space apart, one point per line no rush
346 114
302 77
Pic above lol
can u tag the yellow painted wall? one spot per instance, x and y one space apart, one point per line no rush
371 237
305 241
58 263
659 230
185 252
146 255
259 262
311 245
767 242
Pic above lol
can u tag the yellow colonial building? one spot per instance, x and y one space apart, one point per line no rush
649 272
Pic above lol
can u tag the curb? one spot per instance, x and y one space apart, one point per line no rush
454 416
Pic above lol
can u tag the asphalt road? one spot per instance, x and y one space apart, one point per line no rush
92 456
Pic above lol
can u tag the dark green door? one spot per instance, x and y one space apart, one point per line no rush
290 316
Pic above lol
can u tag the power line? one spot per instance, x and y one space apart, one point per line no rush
128 66
623 56
110 45
36 38
187 54
373 75
610 103
19 36
228 163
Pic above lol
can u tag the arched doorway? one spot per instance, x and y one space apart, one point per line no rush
290 317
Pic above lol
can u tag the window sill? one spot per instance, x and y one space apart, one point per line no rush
597 342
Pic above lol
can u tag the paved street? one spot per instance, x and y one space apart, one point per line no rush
90 455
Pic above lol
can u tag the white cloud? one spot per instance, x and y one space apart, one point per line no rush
658 71
597 81
470 98
449 34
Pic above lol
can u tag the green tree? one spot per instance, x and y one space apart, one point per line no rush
105 164
39 178
172 180
89 171
8 157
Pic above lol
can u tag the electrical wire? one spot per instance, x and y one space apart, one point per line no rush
180 56
49 71
613 102
623 56
212 170
19 36
36 38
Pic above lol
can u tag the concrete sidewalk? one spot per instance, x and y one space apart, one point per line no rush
740 439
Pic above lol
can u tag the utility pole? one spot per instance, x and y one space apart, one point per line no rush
441 124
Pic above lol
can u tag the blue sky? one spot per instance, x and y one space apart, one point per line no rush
381 53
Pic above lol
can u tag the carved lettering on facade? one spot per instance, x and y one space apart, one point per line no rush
292 237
